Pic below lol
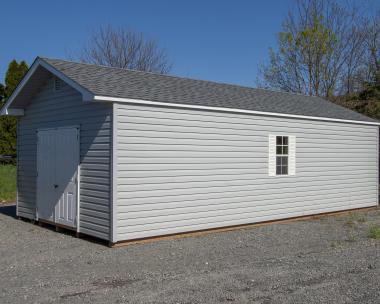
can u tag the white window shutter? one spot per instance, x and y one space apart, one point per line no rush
292 155
272 155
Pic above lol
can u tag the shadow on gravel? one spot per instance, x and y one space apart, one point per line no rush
9 210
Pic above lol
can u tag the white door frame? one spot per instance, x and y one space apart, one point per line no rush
78 171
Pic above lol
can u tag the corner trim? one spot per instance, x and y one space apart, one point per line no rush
378 166
17 164
78 181
113 207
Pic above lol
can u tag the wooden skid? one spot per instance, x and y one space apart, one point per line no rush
58 227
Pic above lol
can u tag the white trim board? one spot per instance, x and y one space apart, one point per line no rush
14 112
221 109
32 69
113 207
86 95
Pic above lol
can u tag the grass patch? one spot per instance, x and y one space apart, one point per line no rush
351 223
352 237
374 232
7 183
354 219
336 244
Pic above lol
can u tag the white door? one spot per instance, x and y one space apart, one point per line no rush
45 174
57 181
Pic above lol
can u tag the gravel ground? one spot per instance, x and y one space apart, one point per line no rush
324 260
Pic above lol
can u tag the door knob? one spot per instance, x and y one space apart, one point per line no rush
55 186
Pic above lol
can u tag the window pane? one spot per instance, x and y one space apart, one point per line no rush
278 161
278 170
278 150
284 169
284 160
285 150
279 140
285 140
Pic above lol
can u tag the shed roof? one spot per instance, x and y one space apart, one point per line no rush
124 83
116 84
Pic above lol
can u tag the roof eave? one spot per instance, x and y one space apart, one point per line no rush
231 110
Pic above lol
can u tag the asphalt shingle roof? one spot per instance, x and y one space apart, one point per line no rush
123 83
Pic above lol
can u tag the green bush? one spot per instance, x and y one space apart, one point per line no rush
7 183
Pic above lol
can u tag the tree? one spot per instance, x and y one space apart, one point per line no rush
319 48
2 94
372 88
8 125
365 98
367 101
118 47
13 76
372 42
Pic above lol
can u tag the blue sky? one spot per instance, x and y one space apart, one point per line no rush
216 40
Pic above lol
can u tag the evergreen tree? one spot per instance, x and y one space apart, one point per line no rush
2 92
8 125
15 73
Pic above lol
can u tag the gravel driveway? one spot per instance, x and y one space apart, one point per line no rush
325 260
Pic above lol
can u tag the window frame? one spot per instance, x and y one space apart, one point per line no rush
282 155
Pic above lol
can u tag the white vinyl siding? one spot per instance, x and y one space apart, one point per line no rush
272 155
51 108
182 170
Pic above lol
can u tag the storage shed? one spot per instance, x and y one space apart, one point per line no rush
121 154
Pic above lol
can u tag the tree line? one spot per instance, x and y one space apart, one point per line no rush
329 50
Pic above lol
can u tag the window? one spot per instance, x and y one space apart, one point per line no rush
282 156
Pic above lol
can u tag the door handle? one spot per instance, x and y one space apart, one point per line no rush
55 186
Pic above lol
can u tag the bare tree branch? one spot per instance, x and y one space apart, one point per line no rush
118 47
323 50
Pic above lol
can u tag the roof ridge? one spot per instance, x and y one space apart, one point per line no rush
183 77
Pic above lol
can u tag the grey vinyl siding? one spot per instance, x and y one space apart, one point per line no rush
65 107
182 170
